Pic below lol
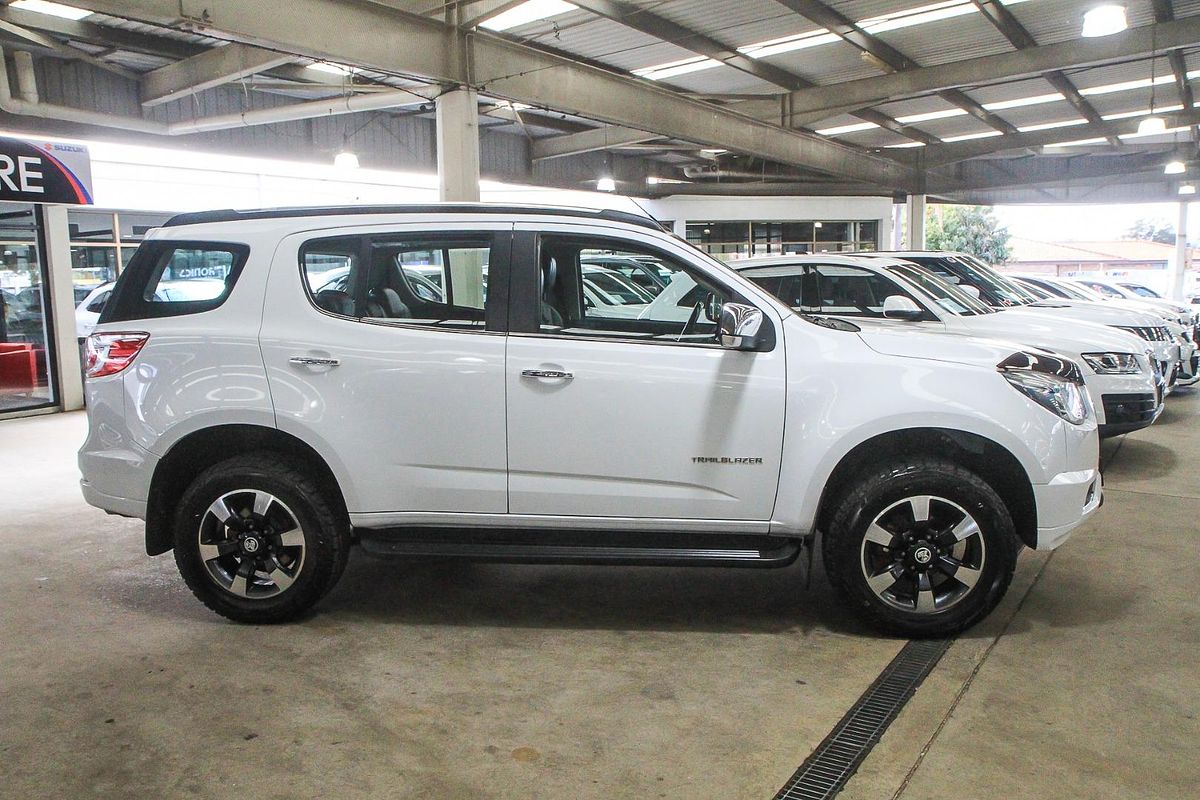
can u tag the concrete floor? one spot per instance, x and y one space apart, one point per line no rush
539 682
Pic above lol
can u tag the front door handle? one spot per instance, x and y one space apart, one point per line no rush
313 361
555 374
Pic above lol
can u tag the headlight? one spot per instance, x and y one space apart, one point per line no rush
1062 397
1113 363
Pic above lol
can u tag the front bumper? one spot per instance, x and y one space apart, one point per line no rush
1065 503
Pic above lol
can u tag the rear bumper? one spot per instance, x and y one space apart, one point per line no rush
121 506
1065 503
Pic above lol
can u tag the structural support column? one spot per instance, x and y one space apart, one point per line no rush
1180 263
897 227
915 221
62 307
458 146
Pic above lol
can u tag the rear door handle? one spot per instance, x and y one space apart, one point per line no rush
313 361
556 374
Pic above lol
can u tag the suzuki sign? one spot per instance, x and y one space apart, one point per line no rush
44 172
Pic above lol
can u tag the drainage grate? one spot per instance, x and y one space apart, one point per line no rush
825 772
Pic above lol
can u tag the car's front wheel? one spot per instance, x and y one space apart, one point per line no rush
921 547
258 540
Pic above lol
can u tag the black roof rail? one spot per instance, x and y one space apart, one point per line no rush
232 215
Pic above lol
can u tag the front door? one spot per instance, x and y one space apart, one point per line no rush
621 402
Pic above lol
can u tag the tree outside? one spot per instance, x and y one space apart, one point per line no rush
1151 230
968 229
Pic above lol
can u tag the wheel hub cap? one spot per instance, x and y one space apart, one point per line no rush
251 544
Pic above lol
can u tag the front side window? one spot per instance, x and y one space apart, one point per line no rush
436 280
948 296
1103 289
587 288
834 289
993 288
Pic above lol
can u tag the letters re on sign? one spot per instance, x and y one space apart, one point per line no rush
44 172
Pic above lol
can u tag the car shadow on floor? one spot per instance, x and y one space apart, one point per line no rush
588 597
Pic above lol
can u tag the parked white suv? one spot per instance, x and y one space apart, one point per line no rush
262 431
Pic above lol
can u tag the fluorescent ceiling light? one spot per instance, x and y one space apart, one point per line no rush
1104 21
1021 102
801 41
852 128
968 136
652 180
1175 168
606 185
1078 142
904 144
1046 126
1139 134
52 9
527 12
1141 112
673 68
1151 126
932 115
1187 188
713 151
1126 86
331 68
787 44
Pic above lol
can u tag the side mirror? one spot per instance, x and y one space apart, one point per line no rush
897 306
740 327
971 290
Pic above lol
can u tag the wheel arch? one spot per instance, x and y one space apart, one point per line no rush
200 449
991 461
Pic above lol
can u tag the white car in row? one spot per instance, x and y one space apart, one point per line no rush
265 431
1120 374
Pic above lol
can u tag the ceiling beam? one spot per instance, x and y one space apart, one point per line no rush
1019 37
206 70
886 57
1164 11
1037 173
985 70
649 23
588 141
942 154
390 41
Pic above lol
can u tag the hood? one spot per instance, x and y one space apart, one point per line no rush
909 341
1101 312
1048 329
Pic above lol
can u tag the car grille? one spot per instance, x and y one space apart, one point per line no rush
1148 333
1120 408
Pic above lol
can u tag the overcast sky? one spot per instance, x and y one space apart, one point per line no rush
1090 222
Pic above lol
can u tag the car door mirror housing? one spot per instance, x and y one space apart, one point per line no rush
741 327
897 306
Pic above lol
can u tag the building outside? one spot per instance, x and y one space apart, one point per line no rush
1134 260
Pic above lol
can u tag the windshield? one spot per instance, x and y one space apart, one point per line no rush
948 296
1142 291
1035 290
1076 292
995 290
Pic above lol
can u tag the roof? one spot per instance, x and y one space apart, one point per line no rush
1032 250
234 215
762 262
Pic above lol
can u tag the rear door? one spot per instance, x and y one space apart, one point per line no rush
385 350
634 415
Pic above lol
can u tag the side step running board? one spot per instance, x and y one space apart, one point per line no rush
780 555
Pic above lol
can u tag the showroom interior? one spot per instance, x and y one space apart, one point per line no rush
743 130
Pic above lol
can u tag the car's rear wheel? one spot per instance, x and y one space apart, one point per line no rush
921 547
258 540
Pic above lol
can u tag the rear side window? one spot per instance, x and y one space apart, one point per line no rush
436 280
167 279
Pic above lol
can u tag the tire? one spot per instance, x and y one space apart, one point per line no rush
301 539
913 577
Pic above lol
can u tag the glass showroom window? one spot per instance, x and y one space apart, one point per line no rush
25 381
727 240
102 242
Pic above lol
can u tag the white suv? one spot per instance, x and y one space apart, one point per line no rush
261 431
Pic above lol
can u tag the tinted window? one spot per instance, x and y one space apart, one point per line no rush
834 289
173 278
585 293
421 280
948 296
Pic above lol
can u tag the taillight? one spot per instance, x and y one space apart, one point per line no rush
109 353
